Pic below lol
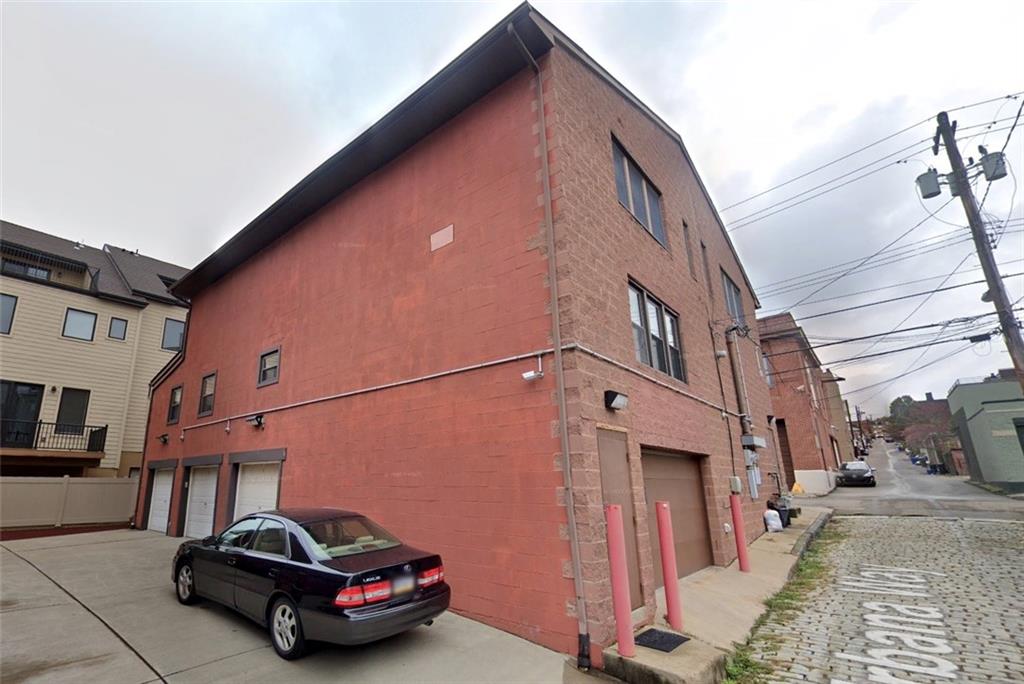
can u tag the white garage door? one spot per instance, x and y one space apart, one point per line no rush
257 488
160 503
202 495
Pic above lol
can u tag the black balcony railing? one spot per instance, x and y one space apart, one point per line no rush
35 434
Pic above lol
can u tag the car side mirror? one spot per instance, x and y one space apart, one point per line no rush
209 541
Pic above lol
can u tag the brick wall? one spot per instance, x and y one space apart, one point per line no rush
466 465
601 247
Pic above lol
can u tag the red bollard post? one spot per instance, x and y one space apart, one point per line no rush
668 565
620 580
737 528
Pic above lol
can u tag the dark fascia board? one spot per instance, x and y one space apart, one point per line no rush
486 64
579 53
262 456
214 459
162 464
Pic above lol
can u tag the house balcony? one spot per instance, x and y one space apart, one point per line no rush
38 443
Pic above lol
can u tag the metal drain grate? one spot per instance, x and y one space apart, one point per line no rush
660 640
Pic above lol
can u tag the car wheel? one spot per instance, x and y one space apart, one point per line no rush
873 483
286 629
185 586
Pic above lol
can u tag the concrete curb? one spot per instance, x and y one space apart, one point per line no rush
810 533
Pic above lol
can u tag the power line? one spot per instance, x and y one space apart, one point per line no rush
896 299
868 258
889 287
893 379
1006 142
925 326
865 147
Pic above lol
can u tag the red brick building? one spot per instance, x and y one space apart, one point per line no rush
801 394
368 342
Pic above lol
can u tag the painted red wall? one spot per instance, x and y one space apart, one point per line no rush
465 465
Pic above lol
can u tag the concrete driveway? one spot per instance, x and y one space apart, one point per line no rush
101 607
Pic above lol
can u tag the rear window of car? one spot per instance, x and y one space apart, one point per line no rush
347 536
859 465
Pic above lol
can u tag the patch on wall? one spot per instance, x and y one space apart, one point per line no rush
1004 433
443 237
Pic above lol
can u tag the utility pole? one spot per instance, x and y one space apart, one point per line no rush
1007 321
849 425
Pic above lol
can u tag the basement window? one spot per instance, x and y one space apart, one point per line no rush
637 193
656 339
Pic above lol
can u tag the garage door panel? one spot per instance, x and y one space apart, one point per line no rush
677 479
202 497
160 501
257 488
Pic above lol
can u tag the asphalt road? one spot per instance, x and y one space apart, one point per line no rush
906 489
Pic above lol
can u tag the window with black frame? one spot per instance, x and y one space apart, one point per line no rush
207 388
656 339
637 193
733 300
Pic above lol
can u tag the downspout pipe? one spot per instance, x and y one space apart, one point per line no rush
583 654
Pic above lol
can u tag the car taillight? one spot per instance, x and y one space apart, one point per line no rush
429 577
377 591
349 597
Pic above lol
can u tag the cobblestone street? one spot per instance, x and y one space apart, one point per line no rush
908 599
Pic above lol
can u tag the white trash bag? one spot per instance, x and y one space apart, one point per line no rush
772 521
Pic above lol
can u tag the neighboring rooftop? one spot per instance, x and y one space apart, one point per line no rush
114 272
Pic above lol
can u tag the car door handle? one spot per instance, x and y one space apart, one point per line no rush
273 572
232 561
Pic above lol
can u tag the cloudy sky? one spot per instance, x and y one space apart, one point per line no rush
167 126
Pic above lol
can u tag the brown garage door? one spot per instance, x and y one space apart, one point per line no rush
676 478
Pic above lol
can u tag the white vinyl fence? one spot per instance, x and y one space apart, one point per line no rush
41 501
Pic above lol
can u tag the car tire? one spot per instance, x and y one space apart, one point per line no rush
873 483
185 584
285 629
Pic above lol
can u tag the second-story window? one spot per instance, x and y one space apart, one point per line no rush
656 339
79 325
118 329
733 300
206 391
270 365
637 193
8 303
174 405
174 330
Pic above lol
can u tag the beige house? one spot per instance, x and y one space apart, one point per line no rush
82 332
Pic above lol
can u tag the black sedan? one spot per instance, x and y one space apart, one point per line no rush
314 575
856 473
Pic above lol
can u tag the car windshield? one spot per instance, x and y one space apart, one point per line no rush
856 465
347 536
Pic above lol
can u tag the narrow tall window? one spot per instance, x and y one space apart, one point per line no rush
174 330
733 300
656 339
637 193
174 405
707 266
207 388
689 249
8 303
270 364
79 325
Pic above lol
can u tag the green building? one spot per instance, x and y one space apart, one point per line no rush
988 417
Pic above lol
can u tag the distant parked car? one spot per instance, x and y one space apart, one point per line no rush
856 473
919 459
314 575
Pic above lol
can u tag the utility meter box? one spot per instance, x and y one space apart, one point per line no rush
735 485
993 165
753 441
928 184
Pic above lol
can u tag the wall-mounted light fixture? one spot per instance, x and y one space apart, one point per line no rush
615 401
163 438
531 375
256 421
